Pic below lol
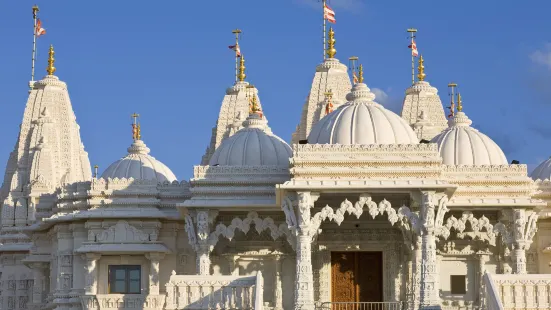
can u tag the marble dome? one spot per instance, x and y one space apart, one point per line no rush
460 144
138 164
362 121
542 171
253 145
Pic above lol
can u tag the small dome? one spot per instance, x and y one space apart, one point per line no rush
138 164
460 144
253 145
362 121
543 171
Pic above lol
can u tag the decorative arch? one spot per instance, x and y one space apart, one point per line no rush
481 228
244 225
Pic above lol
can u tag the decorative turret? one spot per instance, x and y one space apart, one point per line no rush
49 151
421 97
235 107
330 75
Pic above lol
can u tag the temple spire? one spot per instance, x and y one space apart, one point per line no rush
241 75
421 69
331 51
51 61
459 103
452 87
361 74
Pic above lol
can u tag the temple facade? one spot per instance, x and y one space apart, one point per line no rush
364 209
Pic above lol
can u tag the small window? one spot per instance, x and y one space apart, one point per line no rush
458 284
125 279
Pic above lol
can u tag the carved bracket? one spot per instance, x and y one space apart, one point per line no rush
520 232
481 228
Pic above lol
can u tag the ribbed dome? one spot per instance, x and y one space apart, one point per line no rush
138 164
543 171
253 145
460 144
362 121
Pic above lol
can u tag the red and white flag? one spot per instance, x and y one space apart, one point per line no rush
39 30
236 49
329 14
414 51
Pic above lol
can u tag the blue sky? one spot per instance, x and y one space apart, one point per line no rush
169 61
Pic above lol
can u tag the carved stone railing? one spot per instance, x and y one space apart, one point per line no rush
517 291
215 292
120 301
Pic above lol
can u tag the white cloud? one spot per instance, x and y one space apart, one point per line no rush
380 95
543 56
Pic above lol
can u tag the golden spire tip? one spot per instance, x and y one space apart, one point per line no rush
421 69
331 51
241 75
51 61
361 73
459 103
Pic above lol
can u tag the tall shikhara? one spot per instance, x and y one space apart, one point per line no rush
331 77
48 153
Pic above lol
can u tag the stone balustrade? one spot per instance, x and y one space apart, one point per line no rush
517 291
214 292
122 301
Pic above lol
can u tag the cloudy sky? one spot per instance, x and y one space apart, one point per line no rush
169 61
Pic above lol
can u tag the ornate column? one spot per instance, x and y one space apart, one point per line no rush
91 277
38 282
154 259
518 234
198 228
278 290
429 273
482 259
304 279
416 273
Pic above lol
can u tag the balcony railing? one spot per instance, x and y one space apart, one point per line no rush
395 305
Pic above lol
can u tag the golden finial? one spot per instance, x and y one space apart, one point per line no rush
361 74
241 75
421 69
331 51
51 61
35 10
136 128
459 103
96 171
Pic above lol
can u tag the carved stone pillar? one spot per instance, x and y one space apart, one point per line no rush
198 228
482 259
91 269
154 259
38 282
429 272
416 274
278 290
524 230
304 280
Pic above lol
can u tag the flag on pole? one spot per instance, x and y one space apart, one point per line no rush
39 30
329 14
413 46
236 49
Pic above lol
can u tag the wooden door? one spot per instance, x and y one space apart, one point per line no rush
356 276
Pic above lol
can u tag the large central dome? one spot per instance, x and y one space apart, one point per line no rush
362 121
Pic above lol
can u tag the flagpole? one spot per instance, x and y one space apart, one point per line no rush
35 13
236 32
412 32
324 27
